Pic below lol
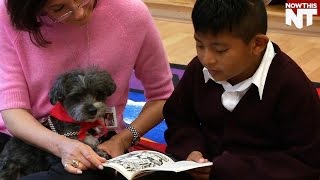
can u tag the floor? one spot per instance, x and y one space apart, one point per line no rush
177 34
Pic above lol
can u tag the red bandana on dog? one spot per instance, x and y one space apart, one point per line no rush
59 113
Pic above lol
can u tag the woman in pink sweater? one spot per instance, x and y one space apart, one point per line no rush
41 39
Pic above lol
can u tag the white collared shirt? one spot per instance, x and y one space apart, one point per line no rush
233 94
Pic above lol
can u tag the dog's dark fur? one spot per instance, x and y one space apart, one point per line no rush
83 94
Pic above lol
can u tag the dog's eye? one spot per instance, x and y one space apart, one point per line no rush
101 95
75 97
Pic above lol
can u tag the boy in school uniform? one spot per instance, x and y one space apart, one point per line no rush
242 103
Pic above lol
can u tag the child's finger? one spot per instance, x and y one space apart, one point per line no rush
196 156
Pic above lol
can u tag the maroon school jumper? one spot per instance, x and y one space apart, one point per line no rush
277 137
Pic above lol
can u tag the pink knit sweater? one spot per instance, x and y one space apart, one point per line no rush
120 37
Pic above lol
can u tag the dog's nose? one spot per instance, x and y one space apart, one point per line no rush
92 110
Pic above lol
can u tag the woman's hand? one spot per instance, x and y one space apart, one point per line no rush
199 173
69 150
77 157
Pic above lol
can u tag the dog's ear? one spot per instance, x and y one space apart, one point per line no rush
57 92
103 78
112 87
110 84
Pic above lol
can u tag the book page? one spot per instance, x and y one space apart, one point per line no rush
180 166
131 163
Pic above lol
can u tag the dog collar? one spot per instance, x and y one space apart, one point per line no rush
86 126
68 134
60 114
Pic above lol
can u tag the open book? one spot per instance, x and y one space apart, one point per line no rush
140 163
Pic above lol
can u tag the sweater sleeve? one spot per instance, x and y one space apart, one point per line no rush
13 87
184 130
297 113
264 166
152 66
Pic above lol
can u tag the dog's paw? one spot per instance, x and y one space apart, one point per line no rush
102 153
91 140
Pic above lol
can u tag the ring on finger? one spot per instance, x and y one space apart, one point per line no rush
75 163
65 165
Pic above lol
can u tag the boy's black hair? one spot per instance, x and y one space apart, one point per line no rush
24 15
243 18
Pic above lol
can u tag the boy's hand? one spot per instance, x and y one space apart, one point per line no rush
199 173
114 146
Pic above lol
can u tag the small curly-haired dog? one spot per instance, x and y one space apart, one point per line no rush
79 108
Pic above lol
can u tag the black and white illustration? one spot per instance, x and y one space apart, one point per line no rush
135 161
143 162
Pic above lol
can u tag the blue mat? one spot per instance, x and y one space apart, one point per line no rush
137 100
132 110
